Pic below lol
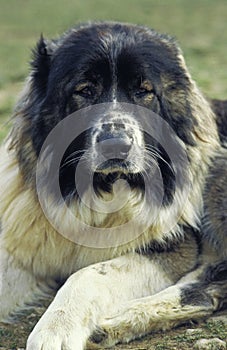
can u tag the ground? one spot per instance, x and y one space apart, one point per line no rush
14 336
200 27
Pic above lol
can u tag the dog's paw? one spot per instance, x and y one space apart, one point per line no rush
57 333
112 331
44 341
48 340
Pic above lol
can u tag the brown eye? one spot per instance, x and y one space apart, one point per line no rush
141 92
144 89
84 90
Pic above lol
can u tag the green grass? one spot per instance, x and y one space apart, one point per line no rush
199 25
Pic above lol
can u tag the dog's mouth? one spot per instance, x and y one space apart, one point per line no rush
103 181
116 155
117 165
128 167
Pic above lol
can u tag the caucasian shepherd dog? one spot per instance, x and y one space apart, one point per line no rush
113 174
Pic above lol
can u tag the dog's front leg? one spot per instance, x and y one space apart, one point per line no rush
193 298
91 294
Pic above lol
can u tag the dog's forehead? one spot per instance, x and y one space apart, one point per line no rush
110 40
115 52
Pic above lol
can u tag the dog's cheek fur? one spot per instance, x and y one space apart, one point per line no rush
173 88
31 126
176 110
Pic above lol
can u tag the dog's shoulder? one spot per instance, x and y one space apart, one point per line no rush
215 202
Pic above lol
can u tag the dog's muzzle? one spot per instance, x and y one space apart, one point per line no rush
116 147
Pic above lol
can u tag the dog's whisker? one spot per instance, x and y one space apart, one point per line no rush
73 161
153 152
80 152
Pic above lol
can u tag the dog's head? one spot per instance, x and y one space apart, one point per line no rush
114 66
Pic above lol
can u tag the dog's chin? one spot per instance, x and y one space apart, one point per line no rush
117 166
109 172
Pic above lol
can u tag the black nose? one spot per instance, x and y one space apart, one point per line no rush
115 148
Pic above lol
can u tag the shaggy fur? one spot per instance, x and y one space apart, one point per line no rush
220 109
167 275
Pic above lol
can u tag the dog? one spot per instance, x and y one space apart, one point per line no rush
112 191
220 109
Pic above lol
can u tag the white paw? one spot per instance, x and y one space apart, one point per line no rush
56 334
47 340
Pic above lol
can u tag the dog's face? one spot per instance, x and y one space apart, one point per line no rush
118 76
112 63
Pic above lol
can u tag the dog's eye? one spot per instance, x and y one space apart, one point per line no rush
144 89
84 90
141 92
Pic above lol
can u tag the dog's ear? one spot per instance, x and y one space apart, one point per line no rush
41 63
176 109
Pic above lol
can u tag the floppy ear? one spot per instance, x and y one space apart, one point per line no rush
174 86
41 63
176 109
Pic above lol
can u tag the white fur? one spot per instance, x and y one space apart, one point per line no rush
88 295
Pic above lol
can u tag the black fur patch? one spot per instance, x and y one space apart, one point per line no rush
195 294
170 245
216 272
211 285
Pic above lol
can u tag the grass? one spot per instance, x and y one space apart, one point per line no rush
200 27
14 336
